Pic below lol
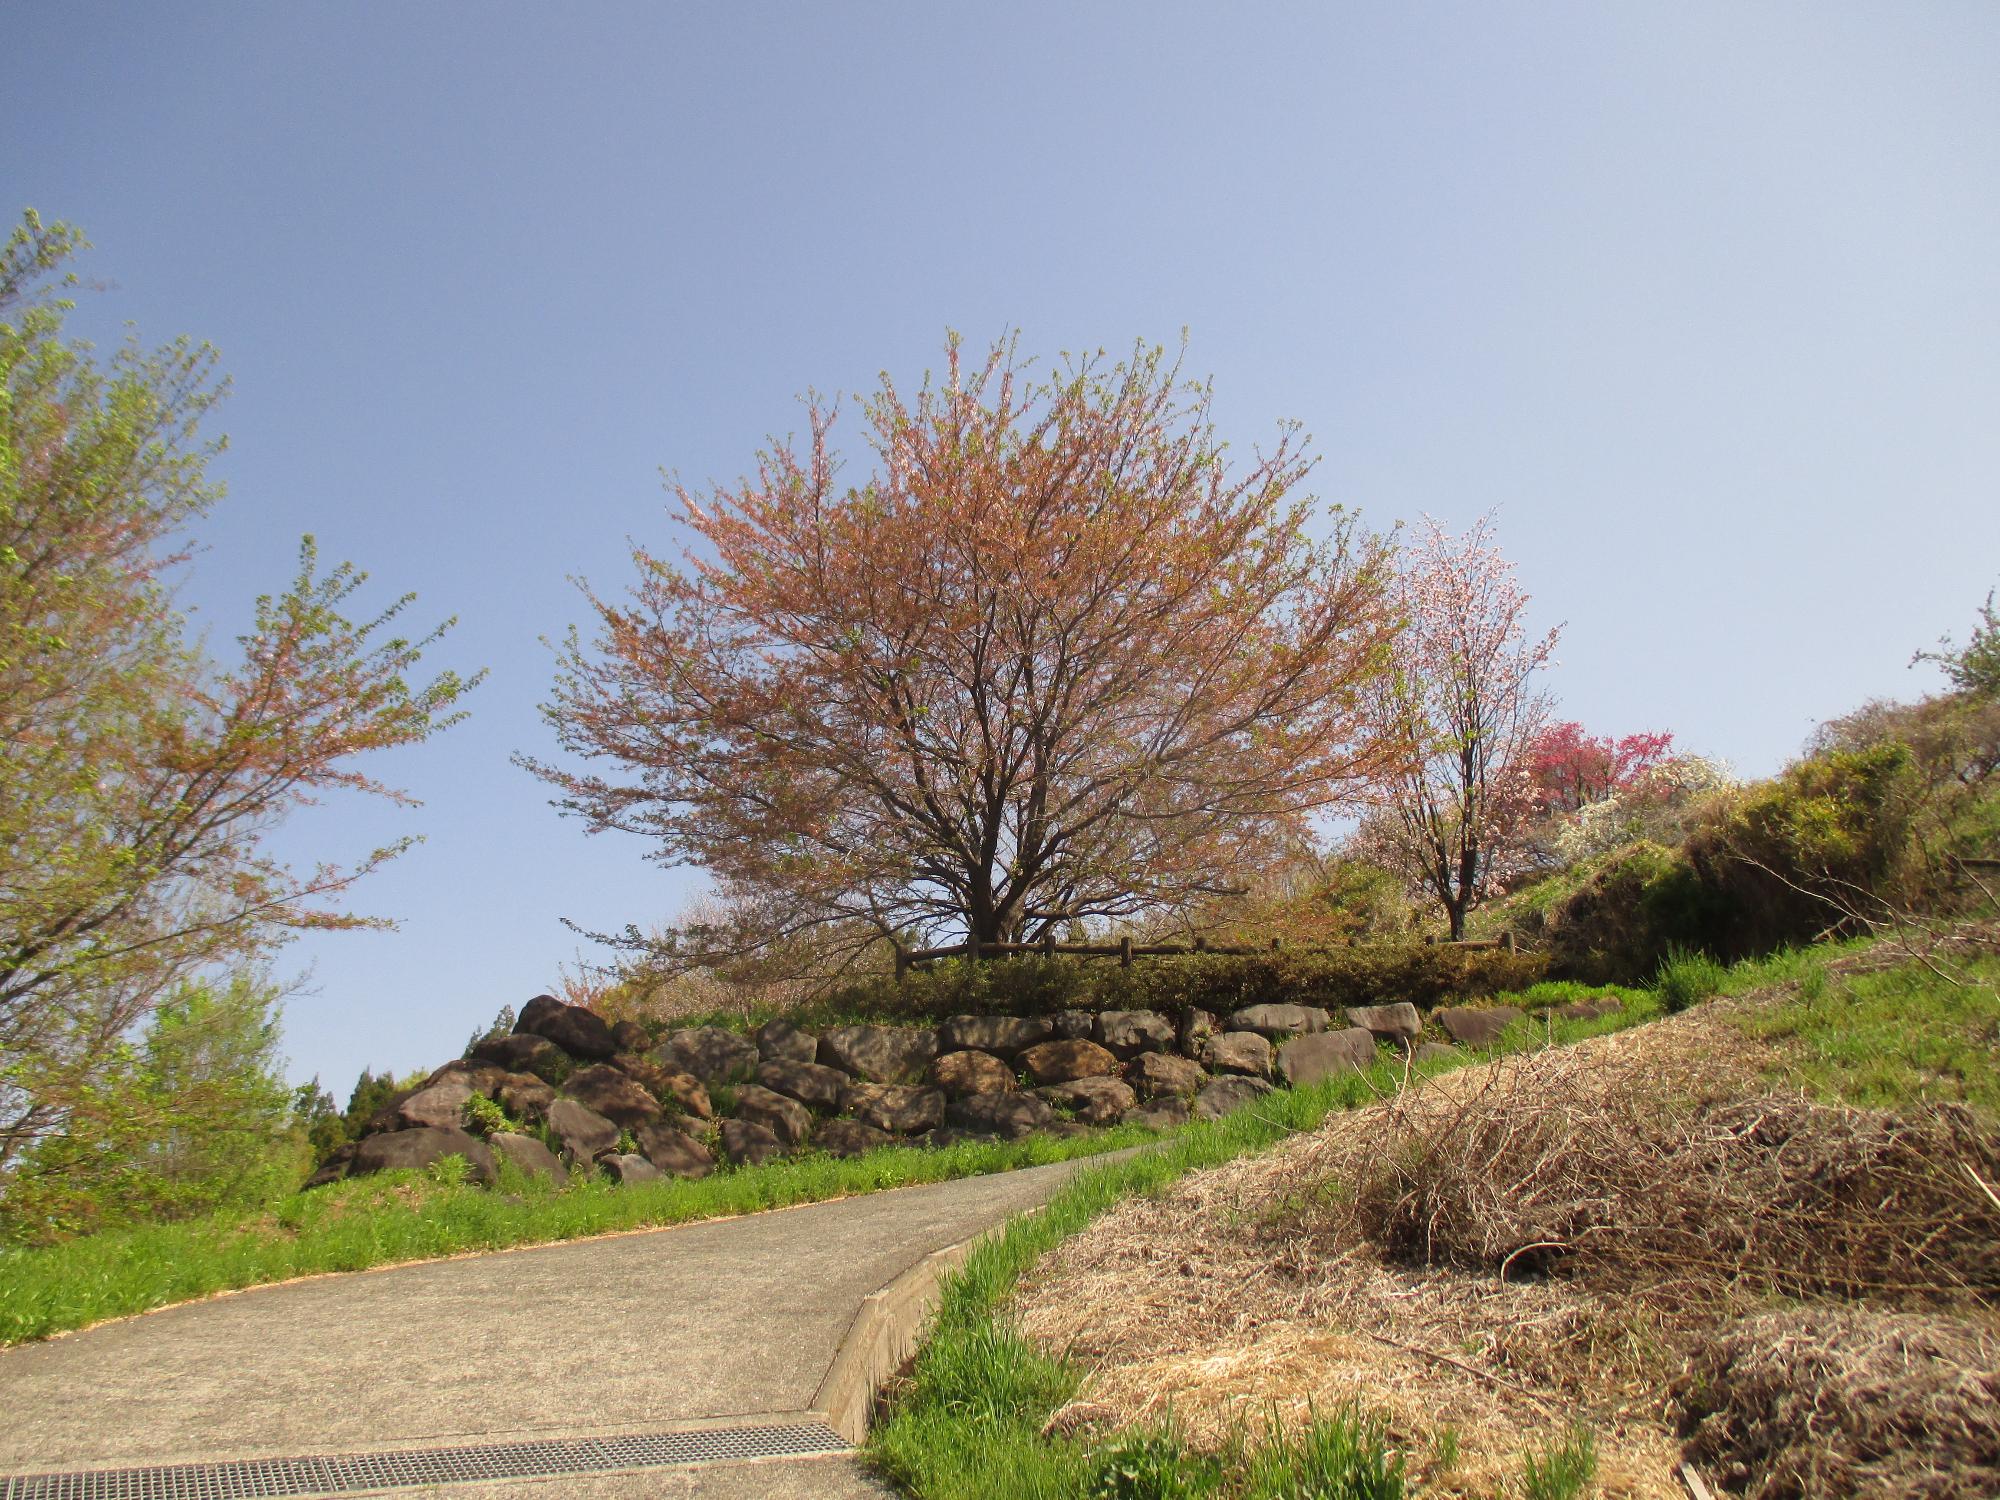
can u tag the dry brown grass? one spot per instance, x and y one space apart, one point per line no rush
1631 1195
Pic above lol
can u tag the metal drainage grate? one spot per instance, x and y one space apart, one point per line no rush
340 1473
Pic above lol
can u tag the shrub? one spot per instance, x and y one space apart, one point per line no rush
1628 913
1686 978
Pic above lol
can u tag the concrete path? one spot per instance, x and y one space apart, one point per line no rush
732 1323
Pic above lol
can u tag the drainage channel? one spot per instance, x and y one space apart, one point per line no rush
344 1473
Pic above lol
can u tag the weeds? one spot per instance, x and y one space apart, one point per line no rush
1561 1470
1345 1456
1687 977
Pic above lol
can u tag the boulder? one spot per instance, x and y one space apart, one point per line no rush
579 1032
630 1036
1131 1032
1475 1026
1067 1061
1160 1075
530 1155
440 1104
781 1041
524 1052
893 1107
972 1073
1161 1114
674 1152
787 1119
479 1074
1071 1025
1197 1026
1397 1023
1000 1114
1308 1059
878 1054
709 1053
1435 1052
807 1082
1004 1036
1278 1021
675 1089
1244 1052
615 1095
1094 1101
1227 1095
629 1166
1064 1130
333 1168
387 1118
584 1133
1590 1010
746 1144
849 1138
524 1096
420 1147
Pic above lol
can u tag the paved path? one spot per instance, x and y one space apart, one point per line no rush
727 1323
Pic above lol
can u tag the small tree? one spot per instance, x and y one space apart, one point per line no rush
1055 661
1454 816
1974 668
138 775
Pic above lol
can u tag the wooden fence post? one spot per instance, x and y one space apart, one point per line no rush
1125 951
1507 941
902 960
1201 945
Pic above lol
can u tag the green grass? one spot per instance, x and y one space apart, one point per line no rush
1893 1038
405 1216
1561 1470
968 1423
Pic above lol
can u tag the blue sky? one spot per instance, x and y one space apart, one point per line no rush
1704 297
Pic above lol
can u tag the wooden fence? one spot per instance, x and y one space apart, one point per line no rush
1125 950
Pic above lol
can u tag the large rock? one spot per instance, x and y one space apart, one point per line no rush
1131 1032
1071 1025
1475 1026
530 1155
1308 1059
524 1096
1160 1075
1000 1114
1397 1023
478 1073
440 1104
673 1088
334 1167
1227 1095
807 1082
1278 1021
617 1096
747 1144
1436 1052
1244 1052
1590 1010
420 1148
878 1054
781 1041
709 1053
893 1107
1065 1062
1093 1101
579 1032
583 1133
1160 1114
1005 1036
674 1152
967 1072
787 1119
849 1138
1197 1026
629 1166
524 1052
630 1036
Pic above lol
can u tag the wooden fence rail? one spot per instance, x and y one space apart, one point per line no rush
1125 950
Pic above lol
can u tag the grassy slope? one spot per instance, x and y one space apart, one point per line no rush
1845 1028
406 1216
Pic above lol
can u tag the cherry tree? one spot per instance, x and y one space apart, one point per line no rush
1056 660
1454 815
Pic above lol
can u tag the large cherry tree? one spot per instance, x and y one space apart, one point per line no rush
1056 660
1455 815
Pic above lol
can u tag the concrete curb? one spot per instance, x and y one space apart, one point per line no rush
881 1338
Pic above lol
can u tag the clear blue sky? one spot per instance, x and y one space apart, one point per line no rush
1704 296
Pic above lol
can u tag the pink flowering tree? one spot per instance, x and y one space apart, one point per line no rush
1454 816
1571 769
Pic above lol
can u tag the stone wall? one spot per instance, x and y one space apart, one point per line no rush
640 1106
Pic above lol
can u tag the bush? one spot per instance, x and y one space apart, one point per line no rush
1628 914
1686 979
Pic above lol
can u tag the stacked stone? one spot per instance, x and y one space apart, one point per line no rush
589 1085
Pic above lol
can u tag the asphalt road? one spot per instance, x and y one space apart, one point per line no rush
721 1325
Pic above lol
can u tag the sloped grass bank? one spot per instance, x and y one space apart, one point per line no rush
974 1417
398 1217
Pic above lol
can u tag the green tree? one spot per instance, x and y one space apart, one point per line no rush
1973 668
138 775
